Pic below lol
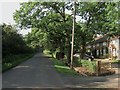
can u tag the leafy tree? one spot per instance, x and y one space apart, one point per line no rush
52 26
51 19
98 19
12 42
101 17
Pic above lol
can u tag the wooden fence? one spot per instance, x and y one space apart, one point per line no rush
103 68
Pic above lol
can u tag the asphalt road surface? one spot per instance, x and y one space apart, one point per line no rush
33 73
38 72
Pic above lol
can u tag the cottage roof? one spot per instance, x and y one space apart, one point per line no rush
102 39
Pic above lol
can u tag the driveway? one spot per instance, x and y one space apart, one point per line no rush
111 81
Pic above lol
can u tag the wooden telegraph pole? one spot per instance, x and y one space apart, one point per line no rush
73 34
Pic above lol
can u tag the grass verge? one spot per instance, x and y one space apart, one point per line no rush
14 60
60 65
62 68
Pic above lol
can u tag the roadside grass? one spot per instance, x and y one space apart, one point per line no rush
63 69
13 60
60 65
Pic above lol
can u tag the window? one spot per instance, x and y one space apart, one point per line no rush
98 44
97 52
104 51
100 51
104 43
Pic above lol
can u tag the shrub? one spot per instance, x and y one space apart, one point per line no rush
76 62
90 65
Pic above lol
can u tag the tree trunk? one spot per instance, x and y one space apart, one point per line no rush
68 48
83 48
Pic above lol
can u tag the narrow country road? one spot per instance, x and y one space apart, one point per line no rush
36 72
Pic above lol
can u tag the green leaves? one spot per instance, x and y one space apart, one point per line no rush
12 42
51 26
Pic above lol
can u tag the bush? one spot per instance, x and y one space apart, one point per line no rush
90 65
76 62
59 55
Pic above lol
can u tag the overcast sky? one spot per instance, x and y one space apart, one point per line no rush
7 10
6 13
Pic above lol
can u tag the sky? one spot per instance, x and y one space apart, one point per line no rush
7 10
6 14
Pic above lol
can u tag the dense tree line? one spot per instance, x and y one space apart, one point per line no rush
12 42
52 27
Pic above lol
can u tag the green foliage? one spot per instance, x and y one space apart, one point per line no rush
58 62
51 26
101 17
33 39
47 53
12 42
14 48
62 68
76 63
13 60
90 65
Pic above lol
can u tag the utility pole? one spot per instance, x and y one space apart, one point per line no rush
72 47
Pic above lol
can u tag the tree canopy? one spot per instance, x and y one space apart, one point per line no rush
12 42
52 26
